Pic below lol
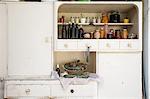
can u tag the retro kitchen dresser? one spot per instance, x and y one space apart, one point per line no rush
36 44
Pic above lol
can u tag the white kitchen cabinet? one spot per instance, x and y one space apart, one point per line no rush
3 39
30 28
121 75
70 10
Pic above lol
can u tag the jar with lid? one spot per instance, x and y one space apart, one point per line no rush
102 33
125 33
77 19
110 34
116 17
126 20
105 18
98 19
87 19
117 34
94 20
97 34
72 19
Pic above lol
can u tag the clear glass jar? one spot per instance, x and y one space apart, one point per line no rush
97 34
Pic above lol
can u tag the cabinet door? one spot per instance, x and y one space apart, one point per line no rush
3 40
121 75
30 27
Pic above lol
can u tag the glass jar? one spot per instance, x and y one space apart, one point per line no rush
110 34
102 33
117 34
125 33
105 18
97 34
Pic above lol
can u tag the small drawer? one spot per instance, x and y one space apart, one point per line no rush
109 44
75 90
66 45
129 44
28 90
83 44
82 90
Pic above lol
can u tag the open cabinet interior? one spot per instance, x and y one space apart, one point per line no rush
75 13
62 58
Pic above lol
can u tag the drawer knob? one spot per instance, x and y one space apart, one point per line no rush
65 45
129 45
72 91
27 91
108 45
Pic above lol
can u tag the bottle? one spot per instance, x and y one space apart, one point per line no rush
102 33
92 35
98 20
72 19
58 69
62 19
94 20
64 32
72 31
59 32
106 30
76 31
81 32
87 19
77 19
69 31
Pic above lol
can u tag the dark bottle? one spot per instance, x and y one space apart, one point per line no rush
81 32
69 31
72 31
116 17
111 17
59 32
64 32
76 31
58 69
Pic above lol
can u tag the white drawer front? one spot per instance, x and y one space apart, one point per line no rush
74 90
129 44
109 44
66 45
82 90
83 44
28 90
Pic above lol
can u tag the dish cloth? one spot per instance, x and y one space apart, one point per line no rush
66 82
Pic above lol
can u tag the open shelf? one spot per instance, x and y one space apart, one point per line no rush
101 24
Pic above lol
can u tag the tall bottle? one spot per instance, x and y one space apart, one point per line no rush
58 69
72 31
69 31
81 32
64 31
76 31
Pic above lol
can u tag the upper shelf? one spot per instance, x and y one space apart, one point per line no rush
95 8
101 24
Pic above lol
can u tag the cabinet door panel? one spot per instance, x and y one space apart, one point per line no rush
30 26
3 40
121 73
